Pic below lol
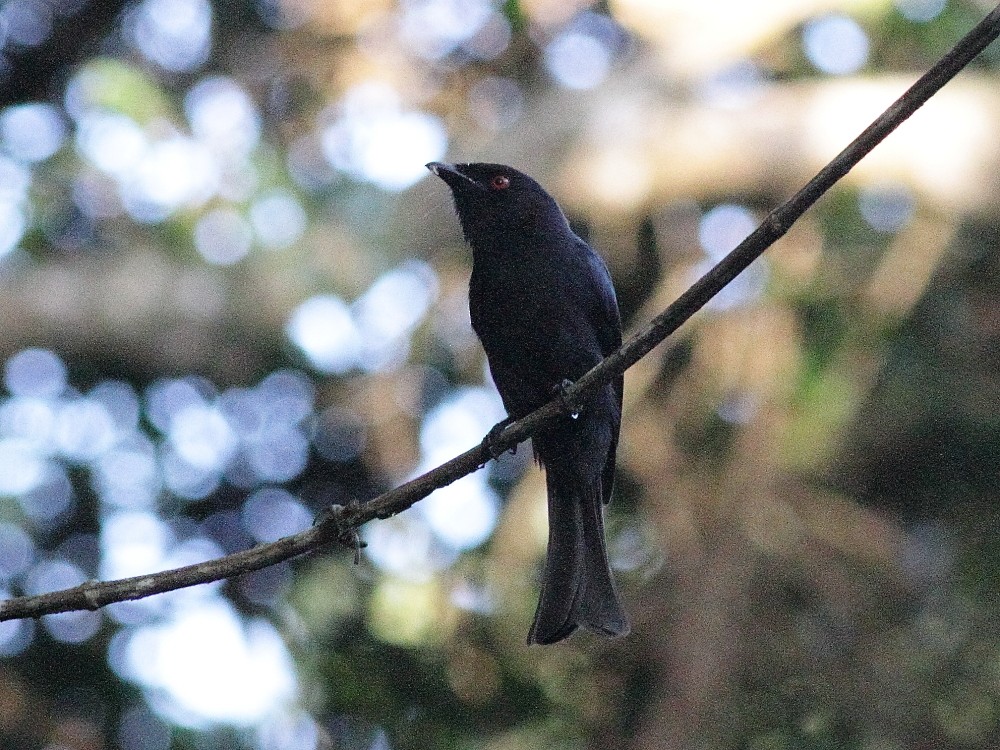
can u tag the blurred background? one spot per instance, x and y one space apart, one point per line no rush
231 295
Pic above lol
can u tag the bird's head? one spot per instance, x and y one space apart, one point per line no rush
494 201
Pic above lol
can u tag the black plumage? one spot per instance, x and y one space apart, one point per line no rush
544 307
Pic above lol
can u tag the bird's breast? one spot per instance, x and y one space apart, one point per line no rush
515 295
531 321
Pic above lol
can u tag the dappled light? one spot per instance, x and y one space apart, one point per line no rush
203 664
230 299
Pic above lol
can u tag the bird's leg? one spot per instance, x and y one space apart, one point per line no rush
490 441
569 407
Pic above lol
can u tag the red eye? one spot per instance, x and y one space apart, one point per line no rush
500 182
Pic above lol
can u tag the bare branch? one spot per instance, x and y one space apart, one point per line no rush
341 522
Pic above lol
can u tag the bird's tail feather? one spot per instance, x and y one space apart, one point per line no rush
577 584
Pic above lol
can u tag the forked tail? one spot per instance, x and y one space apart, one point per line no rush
577 585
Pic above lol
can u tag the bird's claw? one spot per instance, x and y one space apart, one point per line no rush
569 406
351 539
493 436
346 535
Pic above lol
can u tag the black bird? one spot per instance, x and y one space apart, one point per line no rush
543 305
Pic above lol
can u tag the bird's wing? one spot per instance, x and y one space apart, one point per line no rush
606 322
603 307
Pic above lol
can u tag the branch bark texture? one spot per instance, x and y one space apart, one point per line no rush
340 523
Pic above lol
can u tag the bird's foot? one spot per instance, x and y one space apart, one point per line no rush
493 436
569 406
333 518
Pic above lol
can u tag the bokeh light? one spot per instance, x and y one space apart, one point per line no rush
835 44
202 436
127 476
35 372
46 427
373 333
578 60
15 179
205 664
223 116
30 418
17 551
389 311
175 34
920 11
51 497
114 143
84 430
25 22
278 220
51 575
406 612
371 137
724 227
32 132
133 543
172 173
581 53
272 513
15 635
886 208
21 468
323 328
158 170
433 28
463 514
720 230
223 237
405 547
72 627
165 398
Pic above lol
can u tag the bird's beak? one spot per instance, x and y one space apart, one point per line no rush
451 175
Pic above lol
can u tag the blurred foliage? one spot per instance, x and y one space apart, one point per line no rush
231 212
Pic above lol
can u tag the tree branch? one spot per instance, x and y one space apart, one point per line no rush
342 522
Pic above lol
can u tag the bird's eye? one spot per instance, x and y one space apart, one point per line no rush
500 182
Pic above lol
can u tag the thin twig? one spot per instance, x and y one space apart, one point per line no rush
341 521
